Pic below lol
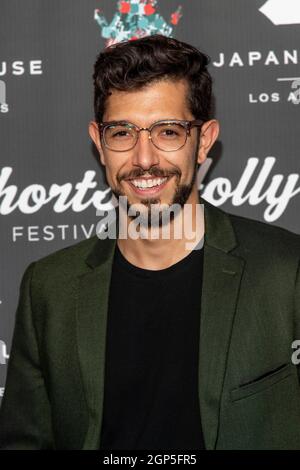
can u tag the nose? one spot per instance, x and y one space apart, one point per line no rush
145 153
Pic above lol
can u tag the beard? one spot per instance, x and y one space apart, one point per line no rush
150 211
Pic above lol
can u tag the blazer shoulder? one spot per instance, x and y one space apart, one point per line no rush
263 238
65 262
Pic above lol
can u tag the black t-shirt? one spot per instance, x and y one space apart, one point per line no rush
151 397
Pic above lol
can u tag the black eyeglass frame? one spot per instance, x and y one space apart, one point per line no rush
186 124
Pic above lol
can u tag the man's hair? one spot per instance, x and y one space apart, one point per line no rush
134 64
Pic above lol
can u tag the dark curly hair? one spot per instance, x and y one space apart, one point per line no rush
132 65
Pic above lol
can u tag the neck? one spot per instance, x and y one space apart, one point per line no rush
166 245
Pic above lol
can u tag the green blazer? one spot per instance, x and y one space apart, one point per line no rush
249 391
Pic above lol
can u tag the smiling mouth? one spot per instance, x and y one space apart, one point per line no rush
148 185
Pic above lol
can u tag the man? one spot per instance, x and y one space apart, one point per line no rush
139 342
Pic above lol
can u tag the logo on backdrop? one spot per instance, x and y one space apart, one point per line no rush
135 19
16 68
3 353
19 68
279 12
3 103
258 184
282 12
296 93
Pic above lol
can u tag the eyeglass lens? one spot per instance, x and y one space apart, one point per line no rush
165 136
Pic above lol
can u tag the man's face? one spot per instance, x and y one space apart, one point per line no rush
124 170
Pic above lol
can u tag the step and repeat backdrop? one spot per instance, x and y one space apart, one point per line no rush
51 182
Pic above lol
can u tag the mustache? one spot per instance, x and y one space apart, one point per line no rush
155 172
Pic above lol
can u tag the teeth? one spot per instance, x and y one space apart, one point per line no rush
149 183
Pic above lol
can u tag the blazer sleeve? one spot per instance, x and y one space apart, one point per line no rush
25 413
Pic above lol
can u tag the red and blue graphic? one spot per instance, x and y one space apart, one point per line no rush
135 19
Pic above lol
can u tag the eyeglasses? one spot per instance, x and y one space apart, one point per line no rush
167 135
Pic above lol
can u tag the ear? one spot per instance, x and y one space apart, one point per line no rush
208 135
95 136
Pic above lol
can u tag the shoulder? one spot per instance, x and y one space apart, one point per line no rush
269 248
253 232
64 263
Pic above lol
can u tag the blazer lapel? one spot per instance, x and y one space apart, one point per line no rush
222 274
221 280
91 315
